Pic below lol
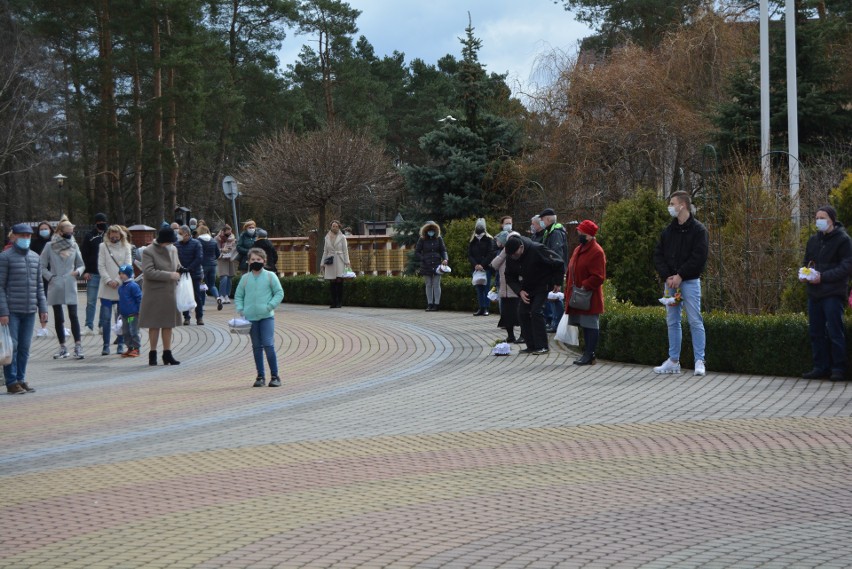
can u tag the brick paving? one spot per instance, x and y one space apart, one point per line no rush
397 440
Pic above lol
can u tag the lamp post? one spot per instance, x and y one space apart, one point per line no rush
60 181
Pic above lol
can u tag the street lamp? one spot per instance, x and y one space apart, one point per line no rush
60 181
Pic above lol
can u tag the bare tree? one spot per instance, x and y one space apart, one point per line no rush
320 170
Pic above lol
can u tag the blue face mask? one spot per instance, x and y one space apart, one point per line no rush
45 233
430 233
23 243
822 225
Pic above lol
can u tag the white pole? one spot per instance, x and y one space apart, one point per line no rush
764 93
792 109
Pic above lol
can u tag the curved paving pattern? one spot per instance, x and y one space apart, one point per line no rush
398 441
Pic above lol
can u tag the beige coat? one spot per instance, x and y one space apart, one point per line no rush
226 265
335 246
159 306
499 263
110 257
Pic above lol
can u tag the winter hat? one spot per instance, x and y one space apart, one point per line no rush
547 211
501 238
512 245
831 212
588 227
261 233
100 217
166 235
480 222
127 270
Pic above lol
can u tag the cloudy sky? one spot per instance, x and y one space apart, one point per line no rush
514 33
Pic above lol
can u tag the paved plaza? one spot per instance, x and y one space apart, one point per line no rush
397 440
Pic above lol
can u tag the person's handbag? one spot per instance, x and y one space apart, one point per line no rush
581 298
184 295
566 333
329 260
479 278
6 348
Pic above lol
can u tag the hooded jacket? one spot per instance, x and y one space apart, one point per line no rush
682 250
831 255
430 251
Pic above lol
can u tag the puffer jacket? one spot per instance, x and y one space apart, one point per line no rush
191 256
831 255
210 250
430 251
21 285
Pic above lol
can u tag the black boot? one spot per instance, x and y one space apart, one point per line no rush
587 359
339 294
168 359
152 358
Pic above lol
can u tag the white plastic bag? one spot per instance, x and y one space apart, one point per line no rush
239 325
184 294
118 327
6 348
350 274
566 333
479 278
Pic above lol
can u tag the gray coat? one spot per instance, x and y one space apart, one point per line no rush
159 304
21 287
58 262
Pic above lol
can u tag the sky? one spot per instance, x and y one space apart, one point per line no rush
515 34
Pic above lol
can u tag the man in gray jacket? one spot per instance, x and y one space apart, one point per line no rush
21 296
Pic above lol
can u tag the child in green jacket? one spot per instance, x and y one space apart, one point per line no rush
258 293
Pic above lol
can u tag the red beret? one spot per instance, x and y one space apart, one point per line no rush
588 227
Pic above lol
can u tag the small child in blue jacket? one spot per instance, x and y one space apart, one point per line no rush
129 299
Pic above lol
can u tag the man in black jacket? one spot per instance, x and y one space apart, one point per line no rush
532 270
680 258
191 256
556 239
89 251
829 252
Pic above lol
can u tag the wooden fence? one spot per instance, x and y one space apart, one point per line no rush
368 254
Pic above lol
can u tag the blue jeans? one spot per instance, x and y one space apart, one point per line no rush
199 298
482 290
263 340
210 281
225 286
106 321
557 310
21 328
827 332
690 291
92 299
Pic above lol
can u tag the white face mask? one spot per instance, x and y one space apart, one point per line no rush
672 211
822 225
507 228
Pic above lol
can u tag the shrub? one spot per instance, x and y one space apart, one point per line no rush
841 198
629 233
457 237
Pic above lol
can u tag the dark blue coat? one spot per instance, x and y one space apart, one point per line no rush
190 255
211 252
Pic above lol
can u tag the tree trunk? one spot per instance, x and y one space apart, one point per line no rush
140 141
325 65
172 128
83 142
158 116
102 172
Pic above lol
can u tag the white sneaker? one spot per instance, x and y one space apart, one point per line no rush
61 354
41 332
699 368
668 367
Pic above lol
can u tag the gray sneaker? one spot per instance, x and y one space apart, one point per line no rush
78 352
61 354
105 351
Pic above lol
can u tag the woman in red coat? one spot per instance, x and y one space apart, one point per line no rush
587 269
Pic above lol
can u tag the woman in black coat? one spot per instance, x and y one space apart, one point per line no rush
480 252
431 252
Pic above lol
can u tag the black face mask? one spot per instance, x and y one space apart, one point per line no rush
68 235
583 239
256 266
101 226
480 230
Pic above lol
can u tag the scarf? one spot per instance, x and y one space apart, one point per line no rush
63 247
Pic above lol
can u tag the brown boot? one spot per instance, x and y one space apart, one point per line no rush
15 389
26 387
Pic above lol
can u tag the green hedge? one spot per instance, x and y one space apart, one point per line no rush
763 345
736 343
382 292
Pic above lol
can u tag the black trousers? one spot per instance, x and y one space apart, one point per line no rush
336 292
531 315
59 322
